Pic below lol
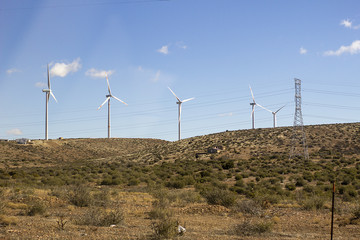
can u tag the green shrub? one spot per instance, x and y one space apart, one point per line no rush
100 217
313 203
250 228
80 196
36 208
290 186
165 228
216 196
248 206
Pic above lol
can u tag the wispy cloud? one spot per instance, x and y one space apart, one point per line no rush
303 51
151 75
12 70
14 132
156 77
181 45
164 50
354 48
95 73
62 69
40 84
349 24
225 114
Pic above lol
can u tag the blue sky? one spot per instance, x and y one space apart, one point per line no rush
208 49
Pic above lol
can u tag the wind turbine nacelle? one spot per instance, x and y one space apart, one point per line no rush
252 104
108 96
46 90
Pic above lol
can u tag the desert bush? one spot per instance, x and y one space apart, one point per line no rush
7 220
313 203
217 196
249 227
100 217
36 208
101 198
165 228
80 196
356 213
248 206
2 204
290 186
183 197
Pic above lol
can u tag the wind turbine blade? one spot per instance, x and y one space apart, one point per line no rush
186 100
107 80
252 94
53 96
280 108
107 99
263 108
119 100
48 75
174 94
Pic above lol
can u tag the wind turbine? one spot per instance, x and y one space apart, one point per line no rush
274 115
253 104
108 96
179 102
48 93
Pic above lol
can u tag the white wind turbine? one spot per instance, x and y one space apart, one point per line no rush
48 93
274 114
253 104
179 102
108 96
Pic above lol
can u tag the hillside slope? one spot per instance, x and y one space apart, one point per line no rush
51 152
334 140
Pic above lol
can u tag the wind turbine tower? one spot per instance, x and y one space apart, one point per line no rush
253 104
179 102
274 114
48 93
108 96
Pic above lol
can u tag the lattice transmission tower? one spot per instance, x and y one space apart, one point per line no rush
298 141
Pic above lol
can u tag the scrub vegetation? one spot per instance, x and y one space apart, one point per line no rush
146 188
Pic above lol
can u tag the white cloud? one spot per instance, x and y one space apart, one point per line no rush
346 23
63 69
302 51
354 48
12 70
349 24
140 69
164 50
98 73
156 77
14 131
40 84
225 114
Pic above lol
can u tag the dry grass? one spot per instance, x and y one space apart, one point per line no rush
144 186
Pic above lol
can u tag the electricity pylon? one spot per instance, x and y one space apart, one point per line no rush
298 141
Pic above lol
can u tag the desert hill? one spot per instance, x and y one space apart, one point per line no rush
333 140
229 185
